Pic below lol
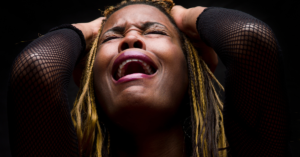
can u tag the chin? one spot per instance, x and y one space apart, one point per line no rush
137 110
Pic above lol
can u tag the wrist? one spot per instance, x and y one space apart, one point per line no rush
189 21
84 28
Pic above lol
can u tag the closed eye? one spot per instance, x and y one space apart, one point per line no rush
109 38
156 32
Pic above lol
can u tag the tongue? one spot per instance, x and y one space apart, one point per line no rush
134 67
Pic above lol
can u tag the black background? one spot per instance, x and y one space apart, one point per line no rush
24 20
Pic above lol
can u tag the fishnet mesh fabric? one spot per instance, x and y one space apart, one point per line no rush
255 110
40 121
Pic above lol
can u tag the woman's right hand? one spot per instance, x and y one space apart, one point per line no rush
90 30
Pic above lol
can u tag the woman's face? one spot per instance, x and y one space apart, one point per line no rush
140 72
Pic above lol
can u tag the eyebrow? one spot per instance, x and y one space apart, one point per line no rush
120 30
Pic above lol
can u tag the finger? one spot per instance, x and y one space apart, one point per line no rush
97 22
177 13
100 19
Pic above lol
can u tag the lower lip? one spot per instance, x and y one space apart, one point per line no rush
132 77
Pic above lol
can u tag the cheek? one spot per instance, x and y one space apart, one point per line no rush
101 72
174 82
171 55
104 55
103 59
100 64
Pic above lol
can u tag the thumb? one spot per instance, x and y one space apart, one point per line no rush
178 13
96 25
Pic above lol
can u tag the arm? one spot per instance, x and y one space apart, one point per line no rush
255 111
39 117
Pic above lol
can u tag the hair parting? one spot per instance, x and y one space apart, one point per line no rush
208 136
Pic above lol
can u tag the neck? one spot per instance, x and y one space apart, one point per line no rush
168 142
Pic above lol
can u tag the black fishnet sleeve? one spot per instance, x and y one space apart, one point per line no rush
255 111
39 117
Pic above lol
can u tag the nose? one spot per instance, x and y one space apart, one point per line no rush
132 41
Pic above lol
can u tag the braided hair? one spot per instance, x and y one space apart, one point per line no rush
205 119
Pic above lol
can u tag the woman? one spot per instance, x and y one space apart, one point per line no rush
153 94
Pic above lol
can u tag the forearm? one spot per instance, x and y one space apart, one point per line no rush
86 33
221 28
255 109
39 116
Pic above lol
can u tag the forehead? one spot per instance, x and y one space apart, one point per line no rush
137 14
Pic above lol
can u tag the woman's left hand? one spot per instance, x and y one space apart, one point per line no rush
186 19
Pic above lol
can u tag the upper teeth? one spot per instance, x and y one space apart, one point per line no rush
121 71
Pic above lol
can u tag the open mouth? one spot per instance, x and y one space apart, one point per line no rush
132 64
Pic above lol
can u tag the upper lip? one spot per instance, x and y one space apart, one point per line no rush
132 55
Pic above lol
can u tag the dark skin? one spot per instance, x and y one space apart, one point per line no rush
144 115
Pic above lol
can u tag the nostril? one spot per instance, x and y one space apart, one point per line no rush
138 44
124 46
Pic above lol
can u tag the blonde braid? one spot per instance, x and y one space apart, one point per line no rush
198 85
84 113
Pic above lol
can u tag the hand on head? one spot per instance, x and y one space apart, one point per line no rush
185 20
90 30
